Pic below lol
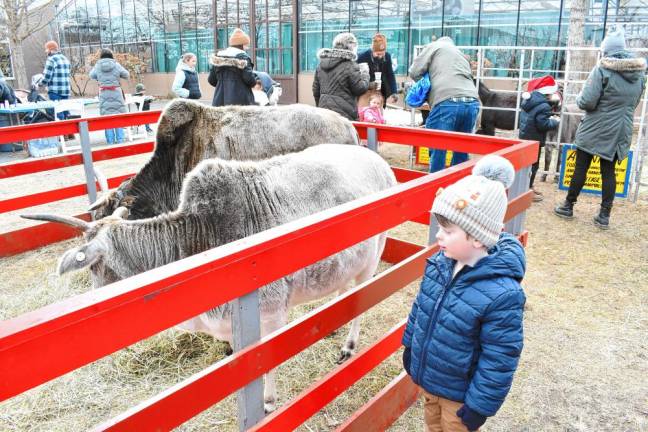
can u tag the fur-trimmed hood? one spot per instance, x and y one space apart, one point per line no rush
229 57
331 57
630 68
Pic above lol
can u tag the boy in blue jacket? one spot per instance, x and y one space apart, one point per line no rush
536 119
464 334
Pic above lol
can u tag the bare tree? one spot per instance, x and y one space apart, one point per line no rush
579 61
23 18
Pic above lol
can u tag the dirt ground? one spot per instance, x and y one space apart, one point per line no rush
584 365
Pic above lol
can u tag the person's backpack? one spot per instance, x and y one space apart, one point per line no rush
417 94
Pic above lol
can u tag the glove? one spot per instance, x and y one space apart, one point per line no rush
471 419
393 98
407 359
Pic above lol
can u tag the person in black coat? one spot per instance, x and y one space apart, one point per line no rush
231 73
379 60
339 80
536 119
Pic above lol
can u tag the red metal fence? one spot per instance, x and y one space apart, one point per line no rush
77 331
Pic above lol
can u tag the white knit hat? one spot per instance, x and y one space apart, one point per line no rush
477 203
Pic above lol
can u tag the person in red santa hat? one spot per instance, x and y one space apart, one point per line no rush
536 119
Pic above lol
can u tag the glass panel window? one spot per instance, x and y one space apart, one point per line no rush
394 16
310 33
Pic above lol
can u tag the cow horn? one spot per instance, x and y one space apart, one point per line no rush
100 201
121 212
66 220
101 179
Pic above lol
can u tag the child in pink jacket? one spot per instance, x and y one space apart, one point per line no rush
373 112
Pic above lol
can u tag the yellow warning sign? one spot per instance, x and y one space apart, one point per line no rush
423 156
593 181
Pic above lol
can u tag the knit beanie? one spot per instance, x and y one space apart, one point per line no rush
52 46
238 37
477 203
345 41
379 43
614 41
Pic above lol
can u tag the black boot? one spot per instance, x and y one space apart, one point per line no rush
602 220
565 210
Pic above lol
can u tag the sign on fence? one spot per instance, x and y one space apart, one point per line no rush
423 156
593 181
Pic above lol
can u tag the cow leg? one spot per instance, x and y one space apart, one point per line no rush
351 342
268 325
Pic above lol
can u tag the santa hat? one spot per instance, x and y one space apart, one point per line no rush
545 85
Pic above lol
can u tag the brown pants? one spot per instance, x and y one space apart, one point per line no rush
441 414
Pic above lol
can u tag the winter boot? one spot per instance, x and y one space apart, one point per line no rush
565 210
602 220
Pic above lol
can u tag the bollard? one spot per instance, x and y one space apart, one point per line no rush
372 139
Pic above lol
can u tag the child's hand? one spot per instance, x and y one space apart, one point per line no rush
471 419
555 118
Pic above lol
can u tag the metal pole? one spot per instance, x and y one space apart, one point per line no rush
246 329
638 162
434 228
86 153
520 186
372 139
519 90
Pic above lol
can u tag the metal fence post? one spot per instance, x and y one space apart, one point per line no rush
372 139
520 185
86 153
434 228
246 329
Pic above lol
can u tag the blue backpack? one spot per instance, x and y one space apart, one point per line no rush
417 94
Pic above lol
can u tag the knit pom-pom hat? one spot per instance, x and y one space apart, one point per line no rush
238 38
477 203
345 41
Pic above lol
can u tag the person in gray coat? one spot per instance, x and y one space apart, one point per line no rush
453 97
339 80
111 98
609 97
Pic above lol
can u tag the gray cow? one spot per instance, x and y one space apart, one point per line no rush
189 132
223 201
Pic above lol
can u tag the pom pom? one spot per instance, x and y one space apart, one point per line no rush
526 95
495 168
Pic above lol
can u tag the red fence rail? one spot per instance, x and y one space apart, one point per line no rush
77 331
30 238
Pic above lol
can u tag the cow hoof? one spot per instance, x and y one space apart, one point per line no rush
345 355
269 406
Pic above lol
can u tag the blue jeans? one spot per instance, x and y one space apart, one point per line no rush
115 136
56 97
451 116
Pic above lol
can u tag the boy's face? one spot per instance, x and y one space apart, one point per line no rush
457 245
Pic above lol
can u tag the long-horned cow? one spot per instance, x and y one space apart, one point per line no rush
223 201
189 132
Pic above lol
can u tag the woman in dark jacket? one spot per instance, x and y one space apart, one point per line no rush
610 95
231 73
338 79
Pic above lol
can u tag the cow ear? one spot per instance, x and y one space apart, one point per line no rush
81 257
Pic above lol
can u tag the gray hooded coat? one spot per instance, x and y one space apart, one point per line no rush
108 72
338 82
609 98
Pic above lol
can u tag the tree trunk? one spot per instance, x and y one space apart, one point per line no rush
579 60
18 61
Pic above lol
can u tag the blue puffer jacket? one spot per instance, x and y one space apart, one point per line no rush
465 334
535 118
